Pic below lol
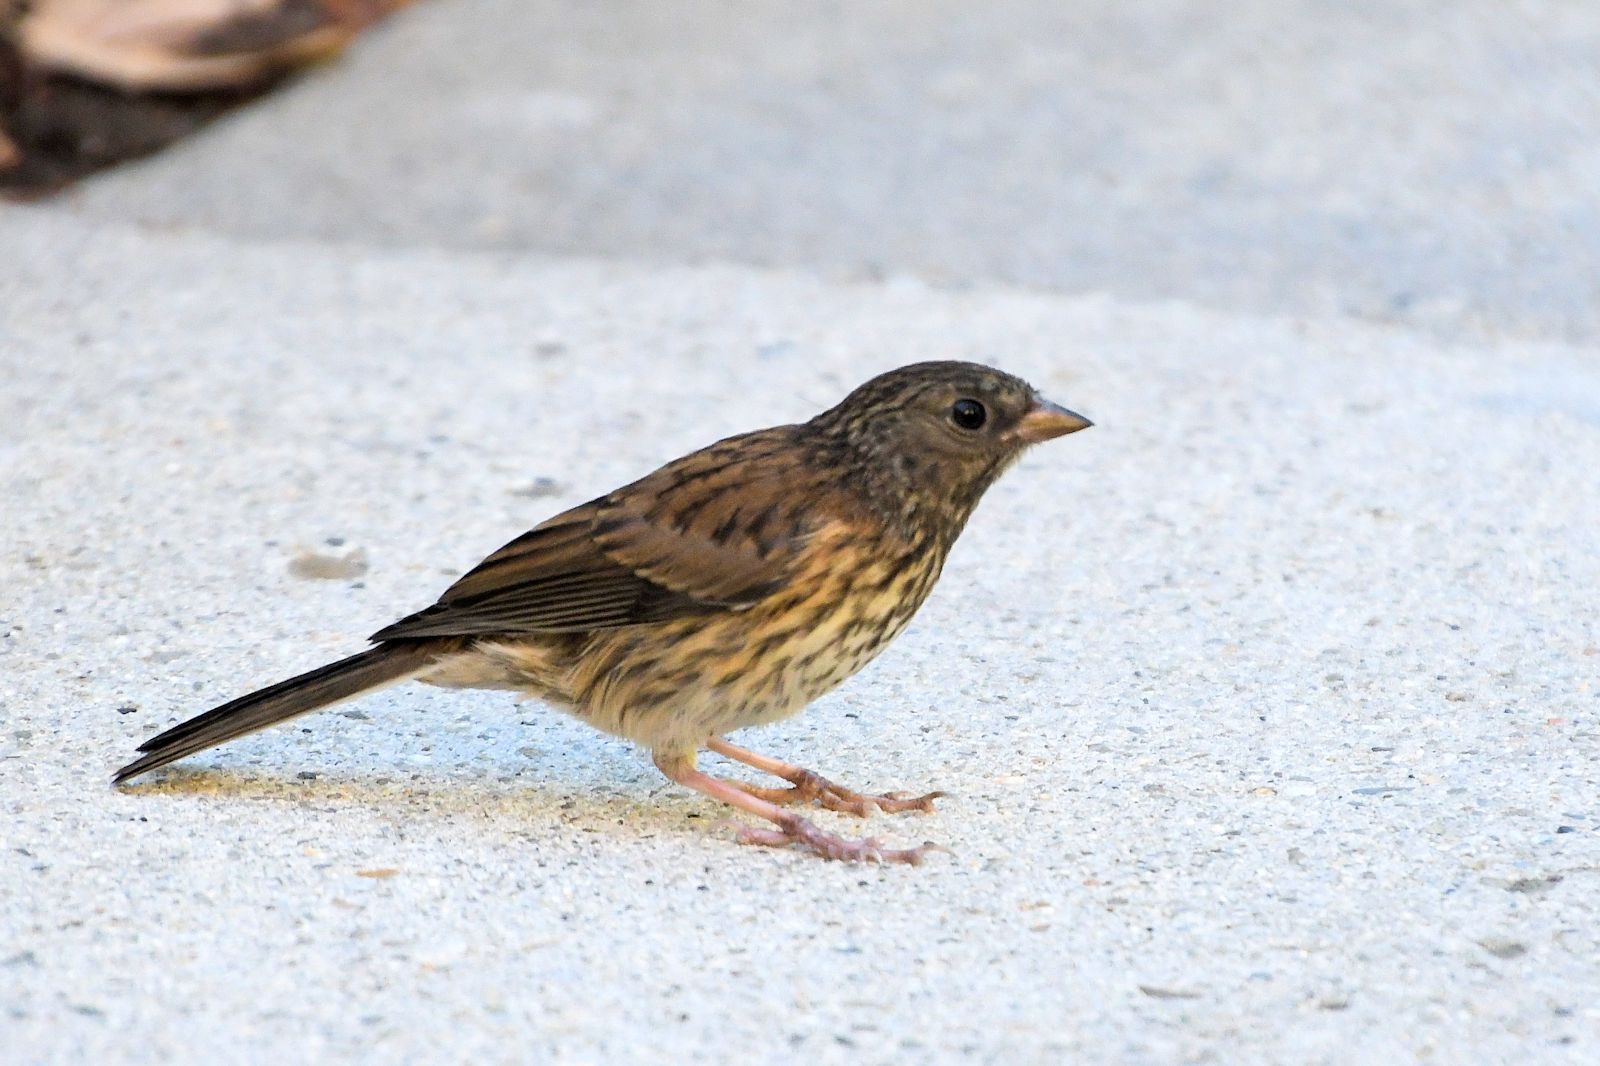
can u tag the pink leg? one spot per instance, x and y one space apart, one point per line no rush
791 828
809 787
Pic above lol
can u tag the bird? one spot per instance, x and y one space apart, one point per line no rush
730 588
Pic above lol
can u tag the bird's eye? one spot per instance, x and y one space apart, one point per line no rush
968 414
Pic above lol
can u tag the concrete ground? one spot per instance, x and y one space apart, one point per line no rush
1268 707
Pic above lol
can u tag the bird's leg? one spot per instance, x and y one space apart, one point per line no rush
807 786
791 828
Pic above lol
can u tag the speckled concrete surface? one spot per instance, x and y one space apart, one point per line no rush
1401 160
1268 706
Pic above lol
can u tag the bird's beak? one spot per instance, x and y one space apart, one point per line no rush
1046 421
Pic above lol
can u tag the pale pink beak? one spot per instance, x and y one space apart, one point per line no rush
1046 421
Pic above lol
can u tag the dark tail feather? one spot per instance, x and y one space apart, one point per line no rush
371 669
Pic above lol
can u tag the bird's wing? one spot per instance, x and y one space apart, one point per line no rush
716 529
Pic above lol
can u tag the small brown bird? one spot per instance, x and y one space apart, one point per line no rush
730 588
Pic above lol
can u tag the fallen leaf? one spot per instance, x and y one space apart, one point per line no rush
188 45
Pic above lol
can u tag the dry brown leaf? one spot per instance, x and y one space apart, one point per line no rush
188 45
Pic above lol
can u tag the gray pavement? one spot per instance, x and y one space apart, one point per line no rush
1268 706
1432 164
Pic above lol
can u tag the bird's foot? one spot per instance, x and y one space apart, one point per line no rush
807 786
792 829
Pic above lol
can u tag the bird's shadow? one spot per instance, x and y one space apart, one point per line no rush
519 800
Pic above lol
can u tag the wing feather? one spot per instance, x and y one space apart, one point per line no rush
717 529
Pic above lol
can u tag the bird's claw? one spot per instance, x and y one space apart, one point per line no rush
810 787
838 798
793 830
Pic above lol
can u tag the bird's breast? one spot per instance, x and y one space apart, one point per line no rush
684 681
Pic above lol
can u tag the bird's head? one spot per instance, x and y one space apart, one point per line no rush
932 437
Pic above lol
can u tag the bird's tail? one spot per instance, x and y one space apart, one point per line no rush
374 668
